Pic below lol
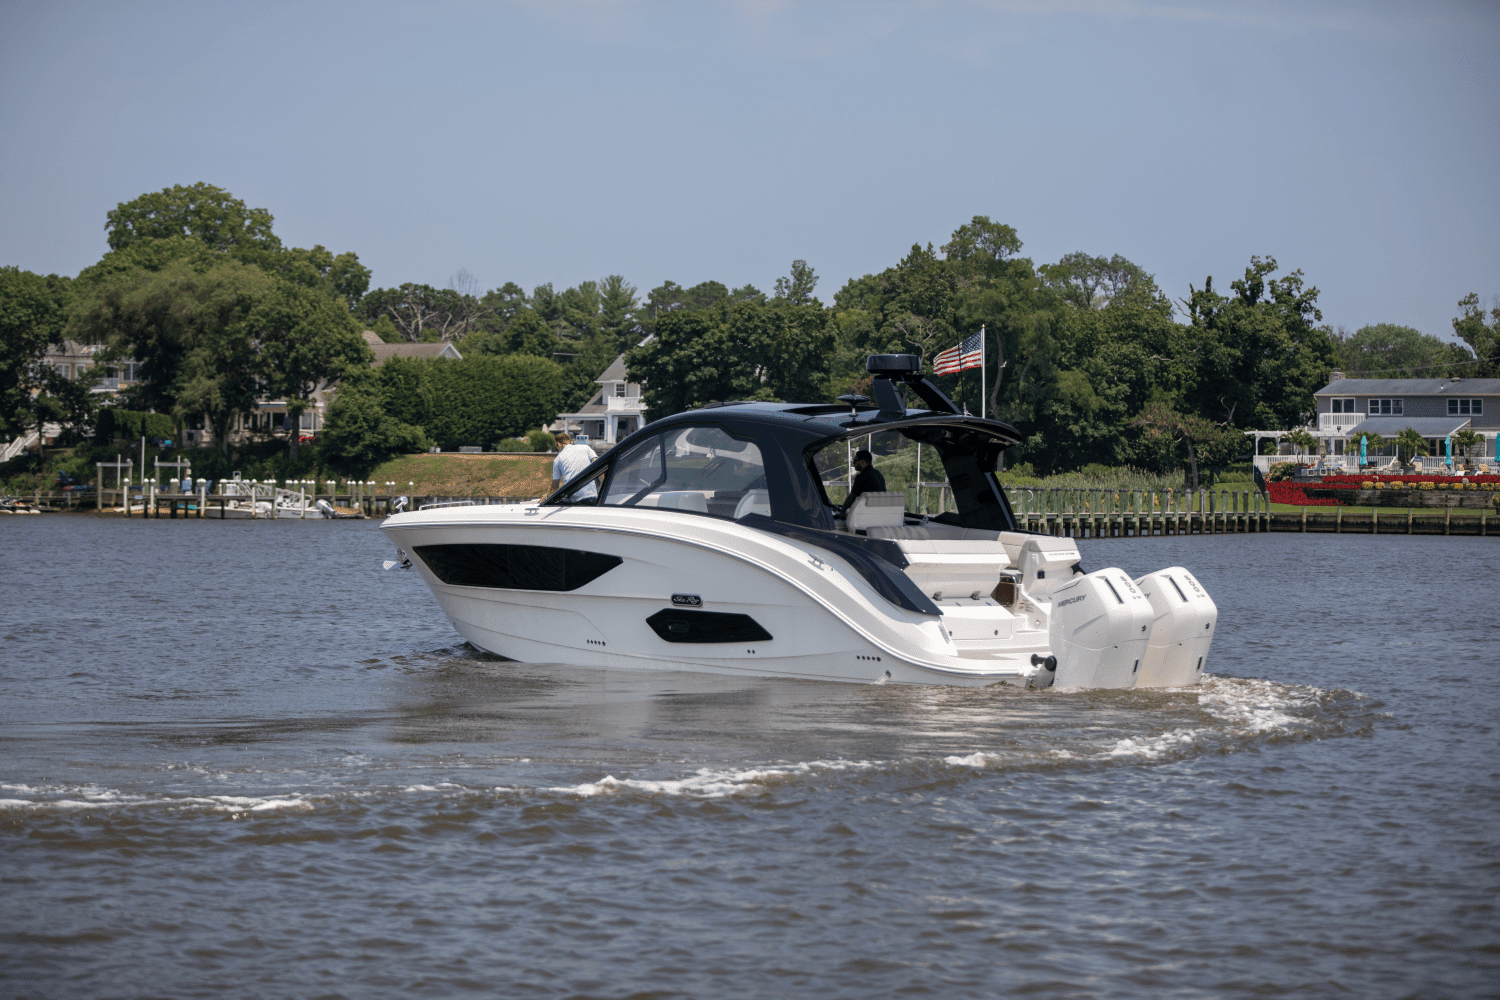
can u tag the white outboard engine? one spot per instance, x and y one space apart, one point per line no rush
1098 630
1185 618
325 509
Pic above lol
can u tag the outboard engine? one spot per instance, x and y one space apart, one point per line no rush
325 509
1185 618
1098 630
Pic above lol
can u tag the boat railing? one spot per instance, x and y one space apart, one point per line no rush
448 503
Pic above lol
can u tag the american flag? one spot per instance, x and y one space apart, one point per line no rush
969 354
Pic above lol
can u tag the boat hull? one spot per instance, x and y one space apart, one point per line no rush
801 611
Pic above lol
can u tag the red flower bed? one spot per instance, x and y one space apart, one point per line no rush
1296 493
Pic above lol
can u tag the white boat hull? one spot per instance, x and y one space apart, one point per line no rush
825 621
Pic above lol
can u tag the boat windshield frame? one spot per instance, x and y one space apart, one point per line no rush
970 473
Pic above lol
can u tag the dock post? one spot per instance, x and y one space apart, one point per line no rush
98 485
1338 522
1447 518
1304 520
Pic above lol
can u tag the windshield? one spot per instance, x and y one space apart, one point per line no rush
703 470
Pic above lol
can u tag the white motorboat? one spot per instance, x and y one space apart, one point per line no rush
713 540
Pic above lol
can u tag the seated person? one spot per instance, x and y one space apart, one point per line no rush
867 479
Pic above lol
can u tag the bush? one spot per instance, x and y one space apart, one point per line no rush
131 424
541 440
477 399
513 444
1281 471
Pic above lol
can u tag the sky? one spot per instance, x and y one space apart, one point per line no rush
562 141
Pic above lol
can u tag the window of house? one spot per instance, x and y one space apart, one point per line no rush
1465 407
1385 407
1343 406
619 388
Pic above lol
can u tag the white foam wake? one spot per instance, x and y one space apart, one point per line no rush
710 783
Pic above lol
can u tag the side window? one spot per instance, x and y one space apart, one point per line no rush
704 470
636 473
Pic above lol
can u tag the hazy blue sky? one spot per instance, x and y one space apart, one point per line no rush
536 142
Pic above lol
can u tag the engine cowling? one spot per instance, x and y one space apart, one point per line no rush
1098 629
1185 618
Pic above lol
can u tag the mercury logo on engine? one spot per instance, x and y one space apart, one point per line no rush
1071 600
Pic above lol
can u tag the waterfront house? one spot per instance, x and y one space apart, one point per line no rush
1436 408
615 410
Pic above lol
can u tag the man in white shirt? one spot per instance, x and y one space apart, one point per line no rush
571 460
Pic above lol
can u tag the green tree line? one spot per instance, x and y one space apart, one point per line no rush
1086 356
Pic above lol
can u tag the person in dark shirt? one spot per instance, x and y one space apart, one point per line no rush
867 479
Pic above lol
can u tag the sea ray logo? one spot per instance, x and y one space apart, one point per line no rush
687 600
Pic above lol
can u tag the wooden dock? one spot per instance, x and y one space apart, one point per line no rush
1079 513
1071 513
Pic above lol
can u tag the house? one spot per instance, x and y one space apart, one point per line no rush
71 359
270 415
615 411
1436 408
383 351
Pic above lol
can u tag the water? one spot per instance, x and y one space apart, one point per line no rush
237 759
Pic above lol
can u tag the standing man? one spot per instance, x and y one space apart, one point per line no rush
867 479
571 460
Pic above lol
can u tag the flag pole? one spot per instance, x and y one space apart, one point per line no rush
982 393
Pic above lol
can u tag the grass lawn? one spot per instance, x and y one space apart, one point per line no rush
504 475
1393 511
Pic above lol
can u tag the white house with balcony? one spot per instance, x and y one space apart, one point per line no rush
1436 408
615 411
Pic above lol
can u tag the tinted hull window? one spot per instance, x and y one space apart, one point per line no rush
675 625
515 567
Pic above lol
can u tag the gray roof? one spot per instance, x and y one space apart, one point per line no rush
615 372
1428 427
384 351
1411 387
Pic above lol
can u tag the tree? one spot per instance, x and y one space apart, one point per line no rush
797 288
476 401
745 350
361 432
188 327
1385 350
306 340
1481 333
207 213
423 313
1302 441
1465 441
32 314
1194 432
1255 358
1409 444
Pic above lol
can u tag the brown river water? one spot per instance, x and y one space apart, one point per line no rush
239 760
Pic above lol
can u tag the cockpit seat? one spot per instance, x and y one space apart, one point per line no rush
753 502
692 500
947 561
875 510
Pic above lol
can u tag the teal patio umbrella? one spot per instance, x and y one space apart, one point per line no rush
1448 451
1363 441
